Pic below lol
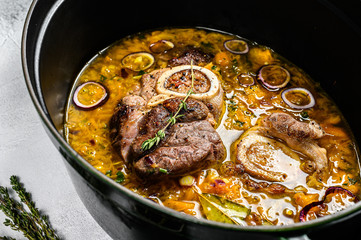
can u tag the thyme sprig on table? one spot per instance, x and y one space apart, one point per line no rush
149 143
23 216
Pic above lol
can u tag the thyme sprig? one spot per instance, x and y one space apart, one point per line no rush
149 143
29 221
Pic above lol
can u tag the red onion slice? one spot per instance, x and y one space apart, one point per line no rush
138 61
298 98
95 102
274 77
340 190
245 79
161 46
307 208
330 190
236 46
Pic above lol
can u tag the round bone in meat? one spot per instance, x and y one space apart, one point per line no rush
213 96
212 92
265 158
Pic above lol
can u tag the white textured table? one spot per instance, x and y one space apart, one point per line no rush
25 149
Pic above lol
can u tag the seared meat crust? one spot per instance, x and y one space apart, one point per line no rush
124 124
189 147
157 118
192 143
148 82
191 53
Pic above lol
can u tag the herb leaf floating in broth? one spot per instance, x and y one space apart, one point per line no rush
215 126
222 210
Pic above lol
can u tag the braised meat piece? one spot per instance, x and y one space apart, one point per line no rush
196 110
188 147
267 152
191 53
288 128
124 124
266 158
157 118
299 136
148 82
190 144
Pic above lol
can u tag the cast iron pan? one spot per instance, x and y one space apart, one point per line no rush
322 37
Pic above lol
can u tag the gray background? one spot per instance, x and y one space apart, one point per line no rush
25 149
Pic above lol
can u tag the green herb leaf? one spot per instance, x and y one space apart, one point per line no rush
172 120
239 123
108 173
161 134
120 177
102 78
162 170
149 143
304 115
351 180
31 223
179 116
232 106
183 105
219 209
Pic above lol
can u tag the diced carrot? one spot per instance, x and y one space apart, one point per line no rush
222 59
108 59
303 199
260 56
178 205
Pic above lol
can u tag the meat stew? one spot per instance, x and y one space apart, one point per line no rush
256 142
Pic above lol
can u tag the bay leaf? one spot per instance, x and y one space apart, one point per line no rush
219 209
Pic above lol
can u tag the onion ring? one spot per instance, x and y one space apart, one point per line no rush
273 76
233 46
330 190
138 61
94 103
302 92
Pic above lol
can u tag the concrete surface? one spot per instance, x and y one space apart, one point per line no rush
25 149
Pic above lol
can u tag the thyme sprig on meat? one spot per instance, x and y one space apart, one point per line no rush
23 216
149 143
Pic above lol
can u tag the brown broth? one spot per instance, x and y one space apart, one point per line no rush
88 131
